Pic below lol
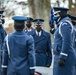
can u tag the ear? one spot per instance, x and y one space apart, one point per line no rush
35 26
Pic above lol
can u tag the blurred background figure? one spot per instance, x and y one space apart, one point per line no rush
29 29
2 35
42 45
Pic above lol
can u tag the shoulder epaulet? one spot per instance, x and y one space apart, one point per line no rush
66 21
70 25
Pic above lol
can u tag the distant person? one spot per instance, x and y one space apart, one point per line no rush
2 35
29 29
42 43
3 18
18 57
64 54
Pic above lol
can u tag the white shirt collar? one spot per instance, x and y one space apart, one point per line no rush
39 33
29 30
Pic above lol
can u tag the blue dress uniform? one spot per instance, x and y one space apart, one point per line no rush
29 24
73 19
2 31
2 36
74 45
42 46
18 51
2 16
62 48
29 32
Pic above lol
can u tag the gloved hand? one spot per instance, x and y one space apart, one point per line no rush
5 73
52 31
38 73
47 65
32 74
51 25
61 62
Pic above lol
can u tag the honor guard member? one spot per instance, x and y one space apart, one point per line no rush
73 20
42 45
18 51
29 29
2 35
2 31
64 54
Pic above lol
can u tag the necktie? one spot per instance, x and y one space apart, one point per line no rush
38 33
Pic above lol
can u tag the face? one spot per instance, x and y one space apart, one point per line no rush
38 28
28 24
57 14
3 21
56 17
2 18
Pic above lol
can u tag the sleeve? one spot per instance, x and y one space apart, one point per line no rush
5 57
66 30
3 34
49 52
31 55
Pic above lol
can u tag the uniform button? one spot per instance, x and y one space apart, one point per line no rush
54 36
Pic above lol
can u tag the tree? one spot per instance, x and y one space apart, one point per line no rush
58 3
72 7
40 9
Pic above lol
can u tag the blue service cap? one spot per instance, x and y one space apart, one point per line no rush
38 21
72 17
29 19
19 18
60 9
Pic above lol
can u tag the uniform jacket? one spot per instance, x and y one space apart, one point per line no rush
29 32
63 48
74 45
20 58
2 36
42 48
